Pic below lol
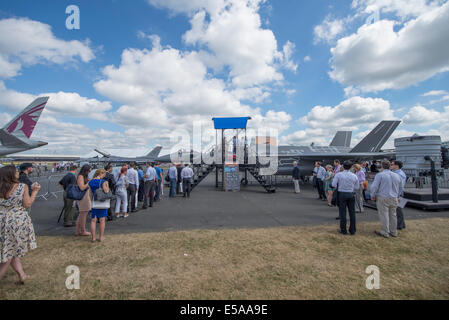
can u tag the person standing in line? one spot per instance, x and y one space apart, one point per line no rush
296 177
396 166
173 175
133 180
25 170
159 182
385 191
373 167
186 175
319 173
96 183
122 195
16 229
150 184
337 167
364 167
328 177
179 181
111 183
359 192
69 210
141 184
347 183
85 204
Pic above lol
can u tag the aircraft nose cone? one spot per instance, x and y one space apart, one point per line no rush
41 143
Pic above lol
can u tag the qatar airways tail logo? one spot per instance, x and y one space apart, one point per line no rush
26 121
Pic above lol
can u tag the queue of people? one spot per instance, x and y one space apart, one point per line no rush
345 187
341 185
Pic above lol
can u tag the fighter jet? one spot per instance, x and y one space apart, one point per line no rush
15 136
108 158
367 149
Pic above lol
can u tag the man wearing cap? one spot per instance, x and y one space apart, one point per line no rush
25 170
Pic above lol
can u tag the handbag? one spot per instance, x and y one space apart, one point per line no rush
100 195
167 178
106 204
75 193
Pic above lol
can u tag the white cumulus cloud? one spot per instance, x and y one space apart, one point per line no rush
25 42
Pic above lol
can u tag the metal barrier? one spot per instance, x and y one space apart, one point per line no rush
49 186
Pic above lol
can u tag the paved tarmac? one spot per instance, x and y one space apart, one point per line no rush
208 208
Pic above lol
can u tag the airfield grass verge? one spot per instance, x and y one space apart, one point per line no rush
275 263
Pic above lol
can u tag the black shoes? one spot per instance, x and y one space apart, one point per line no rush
342 233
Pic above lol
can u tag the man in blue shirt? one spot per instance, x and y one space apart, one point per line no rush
396 166
385 190
319 173
141 184
158 182
173 175
347 183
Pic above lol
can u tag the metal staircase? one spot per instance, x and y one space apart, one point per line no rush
201 173
267 185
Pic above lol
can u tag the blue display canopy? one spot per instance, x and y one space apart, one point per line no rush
230 123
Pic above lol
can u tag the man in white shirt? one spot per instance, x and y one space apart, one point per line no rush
133 178
385 190
150 184
186 176
319 173
347 183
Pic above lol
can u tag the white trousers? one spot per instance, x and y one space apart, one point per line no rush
122 198
386 207
296 183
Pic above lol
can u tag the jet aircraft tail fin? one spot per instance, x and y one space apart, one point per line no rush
375 140
103 153
23 125
342 139
155 152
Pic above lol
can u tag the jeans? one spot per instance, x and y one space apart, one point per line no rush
172 187
347 200
400 216
158 191
122 198
141 191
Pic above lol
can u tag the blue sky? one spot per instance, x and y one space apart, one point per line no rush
302 70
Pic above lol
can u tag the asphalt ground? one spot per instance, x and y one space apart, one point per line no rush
208 208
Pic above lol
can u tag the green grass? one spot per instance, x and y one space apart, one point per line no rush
277 263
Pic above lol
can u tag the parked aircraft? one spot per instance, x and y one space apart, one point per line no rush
367 149
15 136
109 158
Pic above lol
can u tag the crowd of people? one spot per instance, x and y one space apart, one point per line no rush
138 188
346 187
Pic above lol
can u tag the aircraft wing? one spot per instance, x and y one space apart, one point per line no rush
342 156
9 140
